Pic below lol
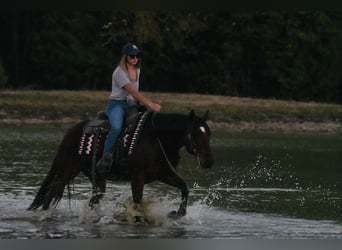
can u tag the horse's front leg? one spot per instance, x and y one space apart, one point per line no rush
184 203
173 179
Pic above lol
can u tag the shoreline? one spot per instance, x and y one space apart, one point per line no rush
236 114
326 127
280 127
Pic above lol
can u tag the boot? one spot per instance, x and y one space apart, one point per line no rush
104 164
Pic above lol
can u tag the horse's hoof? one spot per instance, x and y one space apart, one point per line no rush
96 220
93 203
173 215
139 219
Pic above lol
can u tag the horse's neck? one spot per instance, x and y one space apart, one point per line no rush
172 142
170 129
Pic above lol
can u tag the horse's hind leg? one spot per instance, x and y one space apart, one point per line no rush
137 186
98 192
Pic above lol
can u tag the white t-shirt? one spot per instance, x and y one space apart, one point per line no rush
119 80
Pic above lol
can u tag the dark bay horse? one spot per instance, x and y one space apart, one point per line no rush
156 157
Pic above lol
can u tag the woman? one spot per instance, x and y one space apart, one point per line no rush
125 92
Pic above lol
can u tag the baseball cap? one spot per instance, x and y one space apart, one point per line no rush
130 49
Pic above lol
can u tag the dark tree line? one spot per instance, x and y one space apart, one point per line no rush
295 55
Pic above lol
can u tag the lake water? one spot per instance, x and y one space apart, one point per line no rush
262 186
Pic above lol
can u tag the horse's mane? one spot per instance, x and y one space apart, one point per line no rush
169 122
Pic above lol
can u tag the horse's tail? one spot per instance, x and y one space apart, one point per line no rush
50 191
63 170
40 197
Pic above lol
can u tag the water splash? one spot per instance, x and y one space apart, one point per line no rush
262 172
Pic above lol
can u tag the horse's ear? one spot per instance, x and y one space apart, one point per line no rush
192 116
206 115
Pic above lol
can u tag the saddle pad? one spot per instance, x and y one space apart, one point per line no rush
94 136
130 134
89 141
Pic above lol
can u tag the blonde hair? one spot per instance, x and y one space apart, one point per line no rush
123 63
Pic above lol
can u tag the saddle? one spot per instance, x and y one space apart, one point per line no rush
95 133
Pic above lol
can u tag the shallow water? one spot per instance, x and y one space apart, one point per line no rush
262 186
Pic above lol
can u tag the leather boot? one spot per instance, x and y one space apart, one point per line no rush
104 164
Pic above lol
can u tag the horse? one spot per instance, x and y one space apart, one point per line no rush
155 158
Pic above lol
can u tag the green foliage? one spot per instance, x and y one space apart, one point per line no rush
66 53
293 55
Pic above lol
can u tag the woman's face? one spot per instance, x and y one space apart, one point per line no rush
133 59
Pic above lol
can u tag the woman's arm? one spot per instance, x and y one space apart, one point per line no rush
141 98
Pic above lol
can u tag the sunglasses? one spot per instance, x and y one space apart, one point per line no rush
134 56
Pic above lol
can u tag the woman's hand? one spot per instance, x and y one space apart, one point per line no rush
141 98
155 107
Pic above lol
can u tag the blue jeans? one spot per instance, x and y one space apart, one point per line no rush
116 112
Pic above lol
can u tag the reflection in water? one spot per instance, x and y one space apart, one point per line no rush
261 186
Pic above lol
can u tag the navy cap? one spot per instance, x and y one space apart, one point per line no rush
130 49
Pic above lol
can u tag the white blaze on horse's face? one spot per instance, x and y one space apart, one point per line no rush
202 129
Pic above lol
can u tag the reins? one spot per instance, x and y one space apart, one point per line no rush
162 148
164 153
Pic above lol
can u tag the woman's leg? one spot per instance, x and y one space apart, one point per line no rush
116 114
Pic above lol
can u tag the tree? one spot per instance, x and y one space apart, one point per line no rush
3 77
270 54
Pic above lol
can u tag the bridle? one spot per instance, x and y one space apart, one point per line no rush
189 145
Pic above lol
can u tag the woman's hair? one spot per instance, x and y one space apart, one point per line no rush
123 63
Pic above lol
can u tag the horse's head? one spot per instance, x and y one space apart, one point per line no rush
197 141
